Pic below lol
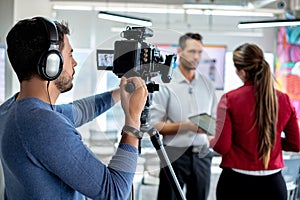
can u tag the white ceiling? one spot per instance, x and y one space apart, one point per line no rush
273 4
167 25
277 7
179 2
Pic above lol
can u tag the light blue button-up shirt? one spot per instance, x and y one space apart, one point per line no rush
180 99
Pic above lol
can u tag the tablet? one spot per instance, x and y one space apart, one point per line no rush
205 122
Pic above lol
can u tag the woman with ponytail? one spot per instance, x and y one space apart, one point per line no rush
254 124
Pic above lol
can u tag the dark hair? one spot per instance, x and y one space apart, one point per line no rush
27 41
183 38
250 58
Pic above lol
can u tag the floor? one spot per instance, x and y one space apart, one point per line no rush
149 191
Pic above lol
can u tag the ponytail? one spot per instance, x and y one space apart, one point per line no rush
249 57
266 111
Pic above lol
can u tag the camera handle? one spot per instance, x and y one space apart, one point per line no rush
130 87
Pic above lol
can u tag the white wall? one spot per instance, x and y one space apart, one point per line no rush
20 9
89 32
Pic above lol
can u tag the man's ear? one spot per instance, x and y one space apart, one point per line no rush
179 50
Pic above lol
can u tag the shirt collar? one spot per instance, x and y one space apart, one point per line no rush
179 78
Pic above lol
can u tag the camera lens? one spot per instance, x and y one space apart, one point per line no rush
281 4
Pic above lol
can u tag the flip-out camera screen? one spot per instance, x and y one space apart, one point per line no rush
105 59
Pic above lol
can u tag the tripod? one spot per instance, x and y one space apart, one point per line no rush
155 139
161 152
158 145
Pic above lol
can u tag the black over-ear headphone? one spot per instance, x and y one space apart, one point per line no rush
50 63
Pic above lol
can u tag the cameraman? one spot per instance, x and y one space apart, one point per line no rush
189 93
42 153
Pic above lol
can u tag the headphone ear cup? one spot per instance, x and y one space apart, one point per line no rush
50 65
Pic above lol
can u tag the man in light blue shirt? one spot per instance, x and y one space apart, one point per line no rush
189 93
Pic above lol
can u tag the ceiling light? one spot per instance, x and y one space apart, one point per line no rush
211 6
230 10
270 23
124 18
72 7
239 13
159 10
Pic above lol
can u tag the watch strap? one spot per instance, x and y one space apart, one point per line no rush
132 130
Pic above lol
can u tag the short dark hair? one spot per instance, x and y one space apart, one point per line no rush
183 38
27 41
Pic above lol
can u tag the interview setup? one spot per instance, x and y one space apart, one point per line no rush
119 50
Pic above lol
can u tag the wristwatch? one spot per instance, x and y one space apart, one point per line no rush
132 130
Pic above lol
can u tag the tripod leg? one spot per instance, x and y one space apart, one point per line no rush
161 152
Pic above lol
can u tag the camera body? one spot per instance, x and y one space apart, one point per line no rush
133 56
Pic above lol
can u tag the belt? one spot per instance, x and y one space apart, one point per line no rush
196 149
190 149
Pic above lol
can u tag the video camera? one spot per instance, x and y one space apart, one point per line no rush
135 57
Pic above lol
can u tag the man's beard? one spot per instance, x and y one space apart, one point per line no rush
187 65
64 82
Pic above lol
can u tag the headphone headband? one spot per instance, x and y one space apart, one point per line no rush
51 29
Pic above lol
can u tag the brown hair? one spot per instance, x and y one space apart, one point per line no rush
183 38
27 41
250 58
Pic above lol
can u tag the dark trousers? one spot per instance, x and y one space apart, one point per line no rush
236 186
192 170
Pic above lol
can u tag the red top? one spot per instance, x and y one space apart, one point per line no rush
237 140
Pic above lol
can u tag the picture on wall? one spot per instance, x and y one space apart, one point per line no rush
212 62
287 63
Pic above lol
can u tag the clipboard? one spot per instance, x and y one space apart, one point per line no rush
205 122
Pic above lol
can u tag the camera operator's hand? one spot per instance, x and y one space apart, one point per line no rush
133 103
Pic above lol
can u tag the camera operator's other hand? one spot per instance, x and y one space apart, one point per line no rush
133 103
